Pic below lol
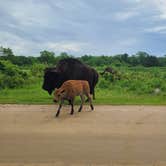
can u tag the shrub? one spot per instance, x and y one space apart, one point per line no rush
103 84
11 76
37 70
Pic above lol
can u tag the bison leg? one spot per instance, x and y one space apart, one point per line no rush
82 102
93 92
90 101
60 105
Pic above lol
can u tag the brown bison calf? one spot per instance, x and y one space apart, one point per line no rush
69 90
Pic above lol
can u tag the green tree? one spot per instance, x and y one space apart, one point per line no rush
47 57
151 61
8 52
133 60
125 57
141 57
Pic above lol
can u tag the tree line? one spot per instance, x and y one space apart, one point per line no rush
49 58
19 71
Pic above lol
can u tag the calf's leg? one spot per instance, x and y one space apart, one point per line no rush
82 102
58 111
72 107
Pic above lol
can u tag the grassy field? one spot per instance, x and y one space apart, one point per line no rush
130 85
34 94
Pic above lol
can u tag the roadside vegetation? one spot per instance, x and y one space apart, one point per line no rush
139 78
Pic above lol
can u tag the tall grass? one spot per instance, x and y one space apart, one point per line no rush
35 95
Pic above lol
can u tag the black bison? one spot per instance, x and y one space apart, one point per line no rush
69 69
69 90
109 70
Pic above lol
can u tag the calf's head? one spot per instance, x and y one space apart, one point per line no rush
59 94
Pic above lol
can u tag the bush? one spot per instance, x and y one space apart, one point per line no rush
103 84
137 80
11 76
37 70
12 82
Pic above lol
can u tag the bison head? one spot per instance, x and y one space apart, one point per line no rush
52 79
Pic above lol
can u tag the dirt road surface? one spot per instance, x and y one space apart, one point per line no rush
110 135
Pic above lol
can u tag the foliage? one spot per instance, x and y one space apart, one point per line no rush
37 70
137 75
49 58
46 57
138 80
11 76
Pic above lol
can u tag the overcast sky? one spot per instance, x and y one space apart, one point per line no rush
83 26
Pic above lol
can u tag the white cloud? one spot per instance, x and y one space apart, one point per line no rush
133 1
29 13
161 7
29 27
128 42
21 46
122 45
66 46
158 6
10 40
156 29
17 44
123 16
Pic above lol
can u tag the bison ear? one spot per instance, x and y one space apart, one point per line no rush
50 69
53 69
55 74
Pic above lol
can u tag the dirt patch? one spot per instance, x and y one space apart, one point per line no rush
110 135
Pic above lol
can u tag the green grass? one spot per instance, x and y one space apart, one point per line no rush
35 95
115 97
28 95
